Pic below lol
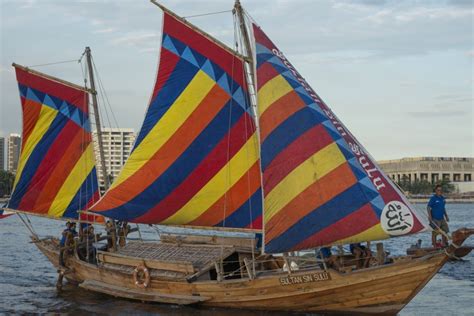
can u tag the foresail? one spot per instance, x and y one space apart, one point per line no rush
56 175
321 187
195 161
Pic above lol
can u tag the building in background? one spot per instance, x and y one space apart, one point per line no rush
2 153
117 143
457 170
13 152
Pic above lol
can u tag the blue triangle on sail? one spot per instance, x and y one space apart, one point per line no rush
357 169
368 188
263 58
30 94
168 44
290 77
331 130
49 102
23 90
378 204
188 55
317 108
239 97
178 45
209 70
262 49
87 125
223 82
76 117
217 70
275 61
64 109
342 143
199 58
347 153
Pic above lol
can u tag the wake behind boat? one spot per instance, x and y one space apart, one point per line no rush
233 140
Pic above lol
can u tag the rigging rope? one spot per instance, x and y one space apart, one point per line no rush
205 14
55 63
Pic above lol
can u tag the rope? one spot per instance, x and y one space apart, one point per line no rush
56 63
205 14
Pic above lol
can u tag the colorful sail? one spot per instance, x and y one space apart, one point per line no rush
195 161
4 213
321 187
56 175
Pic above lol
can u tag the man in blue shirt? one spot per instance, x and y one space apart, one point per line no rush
437 215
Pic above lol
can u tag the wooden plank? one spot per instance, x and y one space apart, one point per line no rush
211 240
184 267
150 296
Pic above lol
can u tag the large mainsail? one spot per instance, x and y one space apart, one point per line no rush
195 160
320 185
56 175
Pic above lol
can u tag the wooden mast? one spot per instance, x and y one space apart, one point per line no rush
97 119
251 83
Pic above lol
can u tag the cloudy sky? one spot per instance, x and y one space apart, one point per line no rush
399 74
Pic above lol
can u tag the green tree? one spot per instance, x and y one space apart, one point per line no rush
6 182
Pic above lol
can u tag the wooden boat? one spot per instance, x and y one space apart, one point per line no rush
234 140
418 251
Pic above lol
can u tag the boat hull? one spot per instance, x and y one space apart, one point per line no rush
383 289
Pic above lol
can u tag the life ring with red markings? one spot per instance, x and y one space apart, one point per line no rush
141 276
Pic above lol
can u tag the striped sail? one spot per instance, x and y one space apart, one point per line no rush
321 187
56 173
195 161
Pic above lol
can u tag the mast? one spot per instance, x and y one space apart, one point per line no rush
97 119
250 76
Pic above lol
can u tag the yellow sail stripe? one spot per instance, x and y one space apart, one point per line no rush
46 117
315 167
73 182
373 233
273 90
176 115
238 165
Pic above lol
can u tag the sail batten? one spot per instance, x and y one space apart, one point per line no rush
320 185
193 162
56 175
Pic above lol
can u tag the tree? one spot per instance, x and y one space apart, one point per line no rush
6 182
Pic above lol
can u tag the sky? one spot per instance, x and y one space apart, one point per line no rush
399 74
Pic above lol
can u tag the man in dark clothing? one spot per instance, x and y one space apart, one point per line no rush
362 254
67 240
437 215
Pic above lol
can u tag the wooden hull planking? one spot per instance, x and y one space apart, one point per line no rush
383 289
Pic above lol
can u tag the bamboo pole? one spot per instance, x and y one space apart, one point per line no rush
61 81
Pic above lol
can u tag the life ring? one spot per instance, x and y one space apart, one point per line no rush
141 276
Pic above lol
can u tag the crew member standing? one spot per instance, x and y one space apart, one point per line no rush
437 215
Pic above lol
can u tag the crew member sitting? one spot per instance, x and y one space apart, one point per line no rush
329 259
362 254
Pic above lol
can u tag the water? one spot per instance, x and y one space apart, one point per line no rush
27 279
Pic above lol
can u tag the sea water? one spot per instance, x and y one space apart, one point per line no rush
27 278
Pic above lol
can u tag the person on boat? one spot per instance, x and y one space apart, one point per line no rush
123 231
111 236
437 215
362 254
67 240
329 259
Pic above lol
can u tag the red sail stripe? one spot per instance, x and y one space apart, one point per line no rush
323 190
214 162
295 154
278 112
75 97
47 169
169 152
63 167
256 224
167 65
235 197
265 73
226 60
354 223
31 112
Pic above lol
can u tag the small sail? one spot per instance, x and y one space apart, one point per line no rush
195 160
4 214
56 175
321 187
